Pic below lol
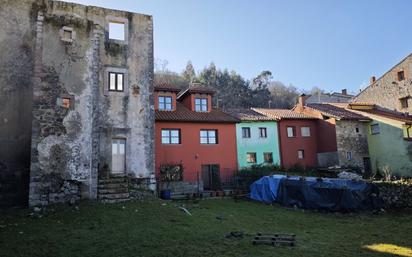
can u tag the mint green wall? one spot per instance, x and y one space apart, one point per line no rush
388 148
256 144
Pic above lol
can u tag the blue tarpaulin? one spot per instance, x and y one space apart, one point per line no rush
316 193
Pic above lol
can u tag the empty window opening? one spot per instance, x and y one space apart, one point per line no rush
116 81
66 102
201 105
67 34
301 154
263 133
305 131
171 136
246 132
290 131
268 157
251 157
349 156
357 130
401 75
208 136
375 129
404 102
165 103
117 31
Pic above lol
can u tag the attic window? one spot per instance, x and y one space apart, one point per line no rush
67 34
117 31
401 75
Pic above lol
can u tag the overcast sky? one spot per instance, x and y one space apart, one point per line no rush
324 43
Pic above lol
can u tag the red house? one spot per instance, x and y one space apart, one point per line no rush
297 137
193 136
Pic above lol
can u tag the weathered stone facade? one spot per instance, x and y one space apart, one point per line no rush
75 116
352 143
389 90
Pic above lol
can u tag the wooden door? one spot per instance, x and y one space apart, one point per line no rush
118 155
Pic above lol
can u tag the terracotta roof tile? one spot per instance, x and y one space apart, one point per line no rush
183 114
338 112
279 114
247 115
197 88
166 87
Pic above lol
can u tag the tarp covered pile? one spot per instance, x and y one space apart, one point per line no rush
316 193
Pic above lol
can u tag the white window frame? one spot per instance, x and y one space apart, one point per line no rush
291 131
118 81
301 154
305 131
170 137
164 105
208 137
201 104
246 132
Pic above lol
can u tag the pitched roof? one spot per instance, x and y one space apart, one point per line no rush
183 114
166 87
280 114
197 88
336 111
247 115
390 115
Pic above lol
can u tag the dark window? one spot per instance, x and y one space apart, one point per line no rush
208 136
404 102
116 81
401 75
268 157
171 136
263 132
201 105
301 154
251 157
375 129
165 103
357 130
246 132
349 155
291 131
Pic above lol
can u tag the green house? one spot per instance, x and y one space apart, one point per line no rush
257 138
389 140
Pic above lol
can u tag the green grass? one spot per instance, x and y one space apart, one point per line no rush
158 228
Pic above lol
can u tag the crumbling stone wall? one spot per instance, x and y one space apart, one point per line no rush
348 140
395 194
387 90
73 114
16 70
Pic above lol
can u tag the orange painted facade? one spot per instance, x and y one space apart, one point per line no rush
192 155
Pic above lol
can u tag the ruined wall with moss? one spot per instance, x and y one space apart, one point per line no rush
70 113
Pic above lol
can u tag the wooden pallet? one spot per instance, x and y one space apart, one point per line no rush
274 239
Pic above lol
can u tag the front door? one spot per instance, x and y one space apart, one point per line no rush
118 155
211 177
368 167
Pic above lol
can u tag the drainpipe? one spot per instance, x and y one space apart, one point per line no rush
280 144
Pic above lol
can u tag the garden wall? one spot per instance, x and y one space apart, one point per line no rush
396 194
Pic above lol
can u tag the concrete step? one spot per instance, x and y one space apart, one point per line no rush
114 200
115 190
113 196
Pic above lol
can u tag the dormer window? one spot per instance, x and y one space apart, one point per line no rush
165 103
201 105
116 81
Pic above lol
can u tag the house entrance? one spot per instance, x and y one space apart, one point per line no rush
211 177
118 155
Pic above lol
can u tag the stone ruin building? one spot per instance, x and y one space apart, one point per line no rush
77 116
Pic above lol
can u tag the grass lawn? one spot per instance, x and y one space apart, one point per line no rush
159 228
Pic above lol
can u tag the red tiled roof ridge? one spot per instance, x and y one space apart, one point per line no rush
336 110
283 113
247 114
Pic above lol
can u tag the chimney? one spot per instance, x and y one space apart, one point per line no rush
344 91
373 79
301 102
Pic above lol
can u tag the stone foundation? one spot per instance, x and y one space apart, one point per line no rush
52 189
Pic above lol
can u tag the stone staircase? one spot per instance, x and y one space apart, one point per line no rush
113 189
